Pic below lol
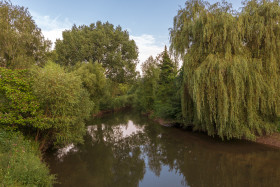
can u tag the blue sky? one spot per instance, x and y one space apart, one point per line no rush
147 21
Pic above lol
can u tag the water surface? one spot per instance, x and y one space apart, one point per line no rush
126 150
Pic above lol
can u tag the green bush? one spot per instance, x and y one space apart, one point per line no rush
20 163
118 102
93 80
65 104
18 106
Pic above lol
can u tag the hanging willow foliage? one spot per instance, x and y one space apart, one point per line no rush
231 67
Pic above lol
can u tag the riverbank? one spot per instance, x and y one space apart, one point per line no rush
271 140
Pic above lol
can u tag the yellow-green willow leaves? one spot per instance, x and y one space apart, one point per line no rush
231 67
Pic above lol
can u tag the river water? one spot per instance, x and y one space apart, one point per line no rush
127 149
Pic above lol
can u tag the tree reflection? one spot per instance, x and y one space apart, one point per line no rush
120 148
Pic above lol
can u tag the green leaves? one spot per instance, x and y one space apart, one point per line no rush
47 101
166 89
146 88
102 43
65 103
20 162
231 67
21 41
157 90
18 105
94 81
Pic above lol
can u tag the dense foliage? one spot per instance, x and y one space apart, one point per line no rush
147 86
48 103
102 43
20 163
158 90
167 90
231 67
94 81
65 104
21 41
19 107
228 86
105 59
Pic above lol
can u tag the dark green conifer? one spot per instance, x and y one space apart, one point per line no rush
166 89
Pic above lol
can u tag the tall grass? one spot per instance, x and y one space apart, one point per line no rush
20 163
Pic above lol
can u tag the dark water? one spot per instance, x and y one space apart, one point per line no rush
126 149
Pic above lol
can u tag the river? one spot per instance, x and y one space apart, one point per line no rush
126 149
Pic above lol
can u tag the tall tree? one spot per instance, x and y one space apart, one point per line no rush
146 92
167 69
101 42
231 66
166 90
21 41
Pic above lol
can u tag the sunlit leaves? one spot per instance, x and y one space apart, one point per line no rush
231 67
65 103
18 105
102 43
21 41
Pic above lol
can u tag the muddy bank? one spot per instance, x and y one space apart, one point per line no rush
271 140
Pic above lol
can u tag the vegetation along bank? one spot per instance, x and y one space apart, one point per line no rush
228 85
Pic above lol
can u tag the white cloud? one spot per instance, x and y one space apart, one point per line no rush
52 28
147 46
53 34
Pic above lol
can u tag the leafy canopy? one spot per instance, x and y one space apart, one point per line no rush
158 90
101 42
65 103
94 81
147 85
18 105
231 66
21 41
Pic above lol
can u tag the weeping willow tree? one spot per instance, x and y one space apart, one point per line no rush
231 84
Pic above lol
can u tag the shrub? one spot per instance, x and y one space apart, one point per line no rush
18 106
20 163
65 104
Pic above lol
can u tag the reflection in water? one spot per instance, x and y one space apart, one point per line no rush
119 131
127 149
65 150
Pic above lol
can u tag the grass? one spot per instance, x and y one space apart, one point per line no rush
20 163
